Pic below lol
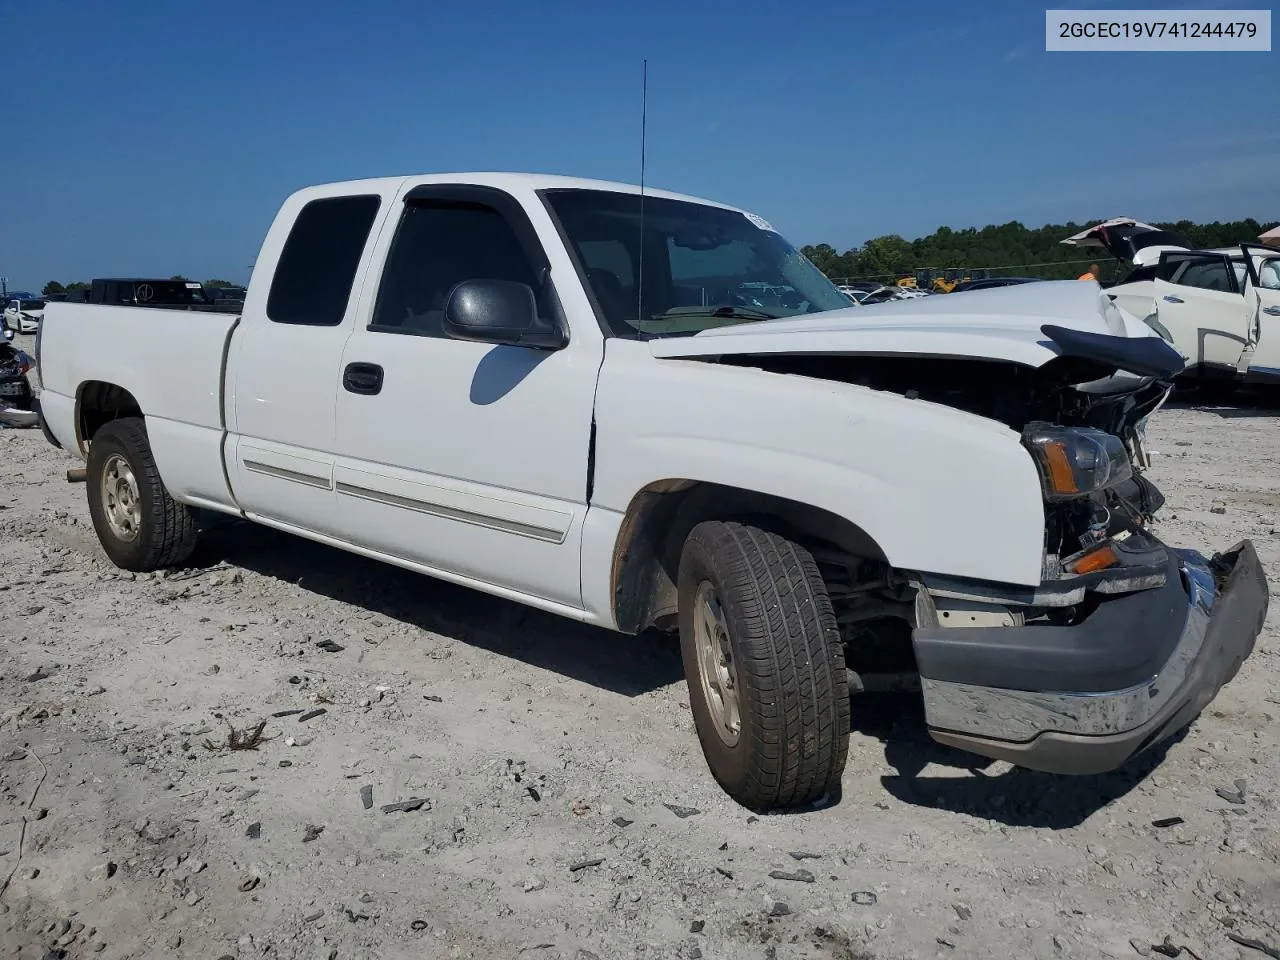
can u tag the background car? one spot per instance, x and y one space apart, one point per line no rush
224 294
23 315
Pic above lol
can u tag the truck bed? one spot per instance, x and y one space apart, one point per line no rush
173 363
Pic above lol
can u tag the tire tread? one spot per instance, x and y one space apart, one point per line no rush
168 527
789 644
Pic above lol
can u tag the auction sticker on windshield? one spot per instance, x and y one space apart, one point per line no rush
1188 31
760 222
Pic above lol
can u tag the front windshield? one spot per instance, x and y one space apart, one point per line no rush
28 305
704 266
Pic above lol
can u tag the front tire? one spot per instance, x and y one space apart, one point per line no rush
140 527
765 666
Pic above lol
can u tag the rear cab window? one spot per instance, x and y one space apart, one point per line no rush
317 267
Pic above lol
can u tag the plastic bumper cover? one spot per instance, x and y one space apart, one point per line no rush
1086 698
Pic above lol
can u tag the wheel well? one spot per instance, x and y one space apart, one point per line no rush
646 559
97 404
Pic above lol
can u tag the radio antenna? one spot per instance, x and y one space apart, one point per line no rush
644 109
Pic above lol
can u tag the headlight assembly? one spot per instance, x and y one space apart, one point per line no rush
1076 461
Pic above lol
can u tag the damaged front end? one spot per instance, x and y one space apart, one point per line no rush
1082 418
1124 640
1083 421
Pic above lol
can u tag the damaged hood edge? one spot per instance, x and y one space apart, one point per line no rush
1029 325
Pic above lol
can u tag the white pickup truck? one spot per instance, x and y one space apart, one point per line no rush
576 395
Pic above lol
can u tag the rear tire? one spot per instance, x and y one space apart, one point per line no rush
765 666
140 527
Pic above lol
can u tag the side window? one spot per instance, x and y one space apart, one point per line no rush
317 266
1269 275
1208 275
1204 273
438 245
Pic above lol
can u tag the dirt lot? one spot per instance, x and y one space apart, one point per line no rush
549 757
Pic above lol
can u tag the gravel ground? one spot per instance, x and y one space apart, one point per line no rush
549 766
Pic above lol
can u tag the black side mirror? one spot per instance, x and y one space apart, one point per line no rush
499 311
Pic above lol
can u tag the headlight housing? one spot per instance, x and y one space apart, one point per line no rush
1076 461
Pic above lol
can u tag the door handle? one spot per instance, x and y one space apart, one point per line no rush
1271 311
363 378
1173 299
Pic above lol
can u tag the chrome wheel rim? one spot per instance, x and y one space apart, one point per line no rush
120 500
715 664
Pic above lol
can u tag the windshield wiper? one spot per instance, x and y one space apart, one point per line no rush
743 313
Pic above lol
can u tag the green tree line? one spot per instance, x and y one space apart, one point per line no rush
1008 248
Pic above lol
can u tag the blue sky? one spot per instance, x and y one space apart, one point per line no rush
156 138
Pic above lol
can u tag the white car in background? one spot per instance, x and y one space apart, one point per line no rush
910 293
23 316
1219 307
1136 245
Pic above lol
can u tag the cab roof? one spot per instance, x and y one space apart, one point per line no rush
510 181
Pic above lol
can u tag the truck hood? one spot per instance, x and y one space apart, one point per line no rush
1029 324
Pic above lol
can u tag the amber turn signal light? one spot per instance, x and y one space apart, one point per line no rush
1095 560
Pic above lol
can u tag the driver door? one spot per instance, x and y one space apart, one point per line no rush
1199 302
469 460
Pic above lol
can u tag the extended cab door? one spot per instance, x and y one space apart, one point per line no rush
1265 280
1199 301
467 459
284 369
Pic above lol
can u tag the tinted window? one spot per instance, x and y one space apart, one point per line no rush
610 255
437 246
317 267
1206 275
1141 273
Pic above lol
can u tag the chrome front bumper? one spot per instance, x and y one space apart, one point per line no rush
1076 728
